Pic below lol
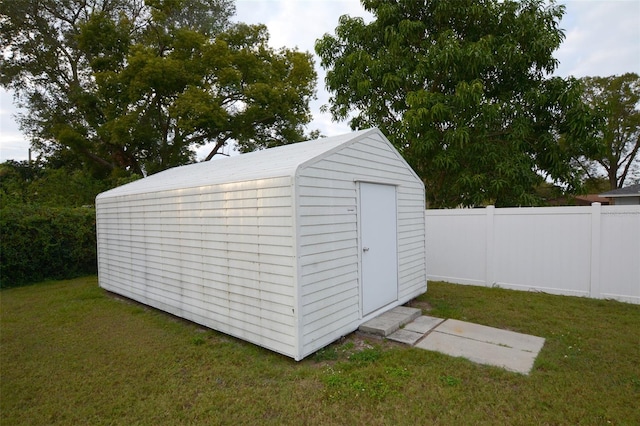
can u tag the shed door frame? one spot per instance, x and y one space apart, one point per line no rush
380 259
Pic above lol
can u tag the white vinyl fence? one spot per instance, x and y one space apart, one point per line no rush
589 251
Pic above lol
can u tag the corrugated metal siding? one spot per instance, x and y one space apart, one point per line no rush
328 236
221 255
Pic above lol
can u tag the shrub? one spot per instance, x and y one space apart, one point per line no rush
39 243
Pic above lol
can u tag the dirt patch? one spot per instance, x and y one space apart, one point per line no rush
419 304
345 347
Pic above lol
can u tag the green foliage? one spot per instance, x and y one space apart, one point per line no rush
46 231
615 100
123 85
596 185
36 183
15 180
459 88
38 243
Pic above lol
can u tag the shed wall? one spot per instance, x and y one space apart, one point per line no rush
328 236
221 255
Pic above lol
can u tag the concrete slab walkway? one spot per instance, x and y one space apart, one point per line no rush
478 343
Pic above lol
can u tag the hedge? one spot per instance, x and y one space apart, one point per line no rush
41 243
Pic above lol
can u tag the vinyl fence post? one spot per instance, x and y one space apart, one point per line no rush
594 282
490 256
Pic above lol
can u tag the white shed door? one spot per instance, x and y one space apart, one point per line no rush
379 246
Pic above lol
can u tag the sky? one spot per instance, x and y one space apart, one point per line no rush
602 39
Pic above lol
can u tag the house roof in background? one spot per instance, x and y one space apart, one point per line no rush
592 198
627 191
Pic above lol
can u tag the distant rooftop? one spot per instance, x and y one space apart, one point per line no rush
591 198
627 191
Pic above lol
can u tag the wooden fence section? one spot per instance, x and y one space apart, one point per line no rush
589 251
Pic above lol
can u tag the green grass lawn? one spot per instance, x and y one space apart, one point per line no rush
73 354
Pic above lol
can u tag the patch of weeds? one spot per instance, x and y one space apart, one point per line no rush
326 354
450 380
380 389
348 346
358 386
366 356
571 342
198 340
336 351
334 378
335 383
399 372
344 385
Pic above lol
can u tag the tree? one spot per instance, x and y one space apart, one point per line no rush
460 89
616 101
50 184
15 181
137 86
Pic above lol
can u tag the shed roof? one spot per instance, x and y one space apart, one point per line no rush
273 162
627 191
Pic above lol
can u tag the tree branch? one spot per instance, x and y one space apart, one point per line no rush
214 151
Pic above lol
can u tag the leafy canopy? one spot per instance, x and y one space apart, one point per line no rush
139 85
460 89
615 100
47 184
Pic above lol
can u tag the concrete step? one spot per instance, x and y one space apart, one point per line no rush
478 343
481 344
411 333
390 321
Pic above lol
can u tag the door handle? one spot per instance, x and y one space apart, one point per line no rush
365 249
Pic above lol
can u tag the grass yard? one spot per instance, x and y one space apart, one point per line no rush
73 354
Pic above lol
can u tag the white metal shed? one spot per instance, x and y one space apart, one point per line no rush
289 248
